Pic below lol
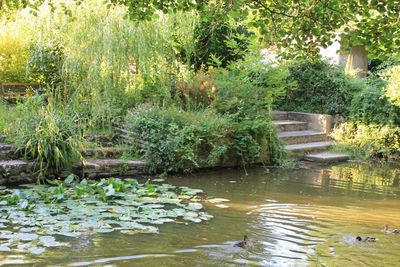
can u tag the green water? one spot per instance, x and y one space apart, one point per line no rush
298 217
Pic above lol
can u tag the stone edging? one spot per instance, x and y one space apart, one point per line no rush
14 172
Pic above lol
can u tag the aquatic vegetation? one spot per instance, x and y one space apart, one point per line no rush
33 217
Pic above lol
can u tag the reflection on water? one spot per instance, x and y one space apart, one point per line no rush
302 217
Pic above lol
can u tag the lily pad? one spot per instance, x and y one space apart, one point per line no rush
4 248
26 236
36 250
190 191
39 214
50 241
194 206
28 229
104 230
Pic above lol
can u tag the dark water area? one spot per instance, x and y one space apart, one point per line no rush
293 217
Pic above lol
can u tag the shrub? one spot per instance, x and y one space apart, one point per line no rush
392 89
47 135
249 88
321 88
377 141
372 106
45 63
172 140
8 114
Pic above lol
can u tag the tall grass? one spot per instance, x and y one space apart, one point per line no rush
8 115
47 135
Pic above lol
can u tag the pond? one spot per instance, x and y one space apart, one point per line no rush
307 216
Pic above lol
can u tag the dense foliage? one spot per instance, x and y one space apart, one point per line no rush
301 27
249 87
392 90
376 140
321 88
207 96
173 140
372 129
220 38
14 52
372 106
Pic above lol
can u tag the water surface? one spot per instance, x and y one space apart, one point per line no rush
297 217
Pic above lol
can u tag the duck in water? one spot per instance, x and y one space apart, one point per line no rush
386 230
242 243
366 239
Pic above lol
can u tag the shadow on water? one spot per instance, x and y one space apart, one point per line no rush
297 217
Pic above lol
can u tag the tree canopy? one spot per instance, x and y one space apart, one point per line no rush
301 27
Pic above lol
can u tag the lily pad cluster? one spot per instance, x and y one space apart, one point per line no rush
34 217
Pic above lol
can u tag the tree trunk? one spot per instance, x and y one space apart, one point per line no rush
357 62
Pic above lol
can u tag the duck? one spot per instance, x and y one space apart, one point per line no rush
366 239
242 243
386 230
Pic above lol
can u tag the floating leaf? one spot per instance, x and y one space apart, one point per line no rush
190 191
100 207
4 248
70 178
192 216
23 204
104 230
36 250
50 241
194 206
26 236
28 229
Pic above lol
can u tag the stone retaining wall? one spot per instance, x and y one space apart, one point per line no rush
14 172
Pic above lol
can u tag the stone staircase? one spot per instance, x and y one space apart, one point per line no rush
306 135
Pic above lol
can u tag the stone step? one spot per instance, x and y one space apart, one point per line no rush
309 147
299 137
6 151
279 115
327 157
103 152
16 172
5 147
287 125
103 168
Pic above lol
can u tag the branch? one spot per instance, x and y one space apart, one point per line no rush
272 11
